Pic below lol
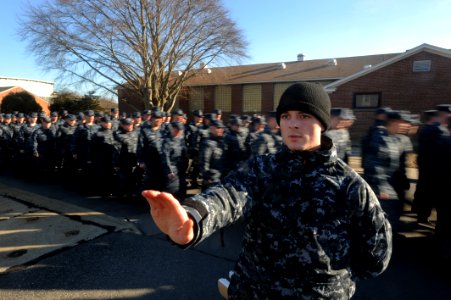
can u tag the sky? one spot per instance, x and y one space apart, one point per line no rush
276 31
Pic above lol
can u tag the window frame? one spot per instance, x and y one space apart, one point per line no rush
378 104
223 93
257 101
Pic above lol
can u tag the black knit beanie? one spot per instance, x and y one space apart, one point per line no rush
307 97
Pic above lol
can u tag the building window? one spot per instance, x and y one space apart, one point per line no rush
368 100
223 98
196 98
252 98
421 66
279 88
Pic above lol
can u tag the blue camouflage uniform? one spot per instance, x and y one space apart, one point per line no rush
342 141
267 142
126 143
150 141
175 161
235 150
43 143
313 225
211 160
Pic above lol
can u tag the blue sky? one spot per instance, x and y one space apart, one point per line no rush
278 30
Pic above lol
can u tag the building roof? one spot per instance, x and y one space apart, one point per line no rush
5 88
325 70
423 47
25 79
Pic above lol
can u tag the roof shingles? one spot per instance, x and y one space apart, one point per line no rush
307 70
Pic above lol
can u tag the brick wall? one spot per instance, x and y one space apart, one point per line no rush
267 97
237 98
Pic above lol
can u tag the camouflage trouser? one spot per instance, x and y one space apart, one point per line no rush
177 187
194 171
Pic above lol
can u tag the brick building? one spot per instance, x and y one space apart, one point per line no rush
415 80
5 91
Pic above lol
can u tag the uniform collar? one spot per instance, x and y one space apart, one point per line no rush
325 155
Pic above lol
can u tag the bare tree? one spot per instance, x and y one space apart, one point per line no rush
150 47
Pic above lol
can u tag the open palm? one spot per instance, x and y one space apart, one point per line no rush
169 216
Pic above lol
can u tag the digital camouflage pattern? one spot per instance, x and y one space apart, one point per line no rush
235 149
342 142
211 160
266 142
313 225
384 162
150 141
81 143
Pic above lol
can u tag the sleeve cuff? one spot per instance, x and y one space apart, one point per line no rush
197 218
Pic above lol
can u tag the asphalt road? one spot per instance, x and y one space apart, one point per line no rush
120 263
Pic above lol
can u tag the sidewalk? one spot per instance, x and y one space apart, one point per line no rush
57 250
32 226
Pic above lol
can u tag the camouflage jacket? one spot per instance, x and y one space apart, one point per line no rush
235 150
174 156
24 136
64 138
43 142
313 225
266 142
105 148
192 137
81 143
385 160
126 147
342 142
211 159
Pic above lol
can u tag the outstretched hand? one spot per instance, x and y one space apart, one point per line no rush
170 217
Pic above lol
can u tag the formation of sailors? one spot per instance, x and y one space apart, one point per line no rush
120 155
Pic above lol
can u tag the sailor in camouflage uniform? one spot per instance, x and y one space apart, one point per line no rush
114 119
65 158
82 149
235 150
105 157
16 127
269 140
192 137
6 142
384 164
339 133
25 154
211 155
313 225
379 120
127 142
54 118
258 127
149 153
442 163
43 144
175 160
